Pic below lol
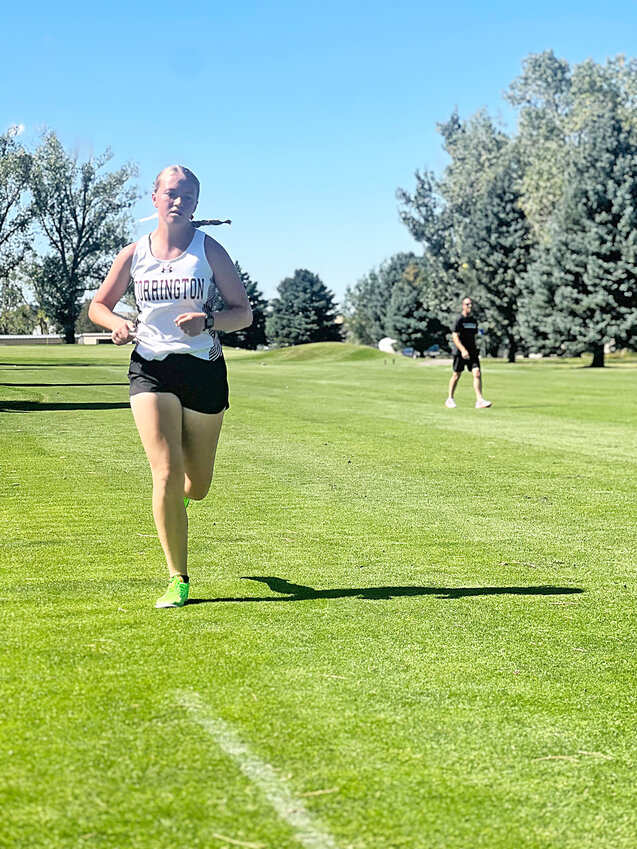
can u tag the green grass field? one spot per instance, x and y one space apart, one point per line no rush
415 627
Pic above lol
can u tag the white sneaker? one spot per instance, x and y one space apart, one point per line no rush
482 405
450 403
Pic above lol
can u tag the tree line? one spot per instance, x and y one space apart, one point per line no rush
63 221
538 226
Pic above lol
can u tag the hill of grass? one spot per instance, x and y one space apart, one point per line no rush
325 351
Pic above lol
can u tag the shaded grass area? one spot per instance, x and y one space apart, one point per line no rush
427 613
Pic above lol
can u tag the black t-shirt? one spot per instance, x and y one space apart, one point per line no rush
466 327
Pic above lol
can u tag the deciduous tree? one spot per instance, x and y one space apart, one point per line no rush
15 213
83 212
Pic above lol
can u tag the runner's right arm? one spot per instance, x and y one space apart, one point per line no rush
460 346
107 296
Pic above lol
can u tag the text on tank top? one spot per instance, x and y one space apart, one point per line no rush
166 288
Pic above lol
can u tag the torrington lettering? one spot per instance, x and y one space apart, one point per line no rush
170 289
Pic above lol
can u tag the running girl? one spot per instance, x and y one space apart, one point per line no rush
178 384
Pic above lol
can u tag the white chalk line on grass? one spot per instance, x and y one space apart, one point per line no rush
290 808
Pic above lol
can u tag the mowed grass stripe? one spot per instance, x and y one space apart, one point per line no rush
290 809
438 621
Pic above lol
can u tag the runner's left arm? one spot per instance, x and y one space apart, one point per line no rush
237 313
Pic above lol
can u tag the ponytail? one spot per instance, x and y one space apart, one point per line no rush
207 222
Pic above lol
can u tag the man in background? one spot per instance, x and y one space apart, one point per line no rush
465 355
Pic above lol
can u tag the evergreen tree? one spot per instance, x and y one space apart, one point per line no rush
367 304
504 204
409 321
433 221
303 312
253 336
582 290
83 214
536 306
496 244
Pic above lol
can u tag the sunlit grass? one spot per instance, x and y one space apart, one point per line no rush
427 613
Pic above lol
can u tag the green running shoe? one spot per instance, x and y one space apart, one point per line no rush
176 595
186 501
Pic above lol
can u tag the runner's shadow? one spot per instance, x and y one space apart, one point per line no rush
99 383
37 406
299 592
60 364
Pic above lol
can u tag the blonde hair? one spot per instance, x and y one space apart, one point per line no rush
176 169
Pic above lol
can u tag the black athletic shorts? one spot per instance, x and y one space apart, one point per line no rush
200 385
459 363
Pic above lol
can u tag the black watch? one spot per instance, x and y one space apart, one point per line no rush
209 322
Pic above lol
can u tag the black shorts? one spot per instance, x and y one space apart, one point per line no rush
459 363
200 385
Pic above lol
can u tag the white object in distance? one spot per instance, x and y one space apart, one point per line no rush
386 345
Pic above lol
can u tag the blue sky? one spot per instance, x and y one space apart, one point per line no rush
300 119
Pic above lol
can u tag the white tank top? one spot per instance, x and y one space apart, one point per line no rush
164 289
